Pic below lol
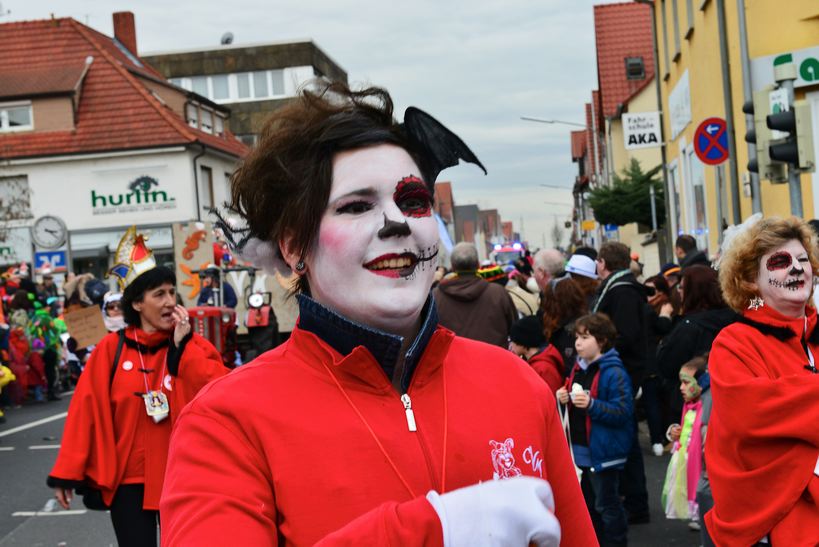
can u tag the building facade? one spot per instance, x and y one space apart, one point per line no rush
703 74
95 137
251 80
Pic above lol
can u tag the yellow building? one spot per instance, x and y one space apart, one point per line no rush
691 65
628 106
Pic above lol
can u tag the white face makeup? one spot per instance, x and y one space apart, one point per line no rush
785 278
378 240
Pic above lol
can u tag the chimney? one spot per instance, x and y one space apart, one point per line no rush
125 30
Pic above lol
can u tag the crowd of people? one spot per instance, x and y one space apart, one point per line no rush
415 404
617 346
40 357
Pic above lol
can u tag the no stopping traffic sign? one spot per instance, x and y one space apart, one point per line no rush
711 141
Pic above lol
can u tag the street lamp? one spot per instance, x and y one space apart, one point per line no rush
541 120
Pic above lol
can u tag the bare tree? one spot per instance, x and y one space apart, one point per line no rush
15 203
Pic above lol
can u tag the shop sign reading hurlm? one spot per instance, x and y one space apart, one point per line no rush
641 130
140 195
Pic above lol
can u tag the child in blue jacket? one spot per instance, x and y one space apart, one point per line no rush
600 416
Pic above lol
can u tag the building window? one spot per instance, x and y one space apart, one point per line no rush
243 85
206 200
219 124
192 115
665 39
248 140
199 84
635 68
260 87
277 79
689 8
220 86
16 117
207 121
675 20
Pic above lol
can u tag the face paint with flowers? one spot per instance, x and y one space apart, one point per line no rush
689 387
375 256
785 275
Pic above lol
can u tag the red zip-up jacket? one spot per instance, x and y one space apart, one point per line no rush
281 452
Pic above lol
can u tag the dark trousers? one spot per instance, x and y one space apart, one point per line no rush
609 517
706 503
633 481
656 407
133 525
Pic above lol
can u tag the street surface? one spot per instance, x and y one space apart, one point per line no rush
30 517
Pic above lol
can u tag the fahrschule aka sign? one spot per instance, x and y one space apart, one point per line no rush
641 130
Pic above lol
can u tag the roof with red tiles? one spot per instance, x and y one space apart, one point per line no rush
115 112
443 200
578 144
38 81
621 30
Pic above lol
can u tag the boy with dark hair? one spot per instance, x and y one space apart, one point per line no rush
600 417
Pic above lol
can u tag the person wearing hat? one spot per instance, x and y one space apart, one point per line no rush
526 340
583 271
211 283
135 384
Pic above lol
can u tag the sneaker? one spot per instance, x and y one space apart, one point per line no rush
694 526
657 449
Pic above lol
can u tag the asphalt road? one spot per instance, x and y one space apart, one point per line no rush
29 517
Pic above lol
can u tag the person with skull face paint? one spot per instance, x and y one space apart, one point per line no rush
762 452
371 423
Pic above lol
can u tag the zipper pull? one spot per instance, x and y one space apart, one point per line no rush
408 409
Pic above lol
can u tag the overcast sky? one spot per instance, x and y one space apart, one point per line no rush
476 66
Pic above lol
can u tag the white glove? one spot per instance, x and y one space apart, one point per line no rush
514 512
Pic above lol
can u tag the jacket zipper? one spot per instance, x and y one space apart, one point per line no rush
412 426
408 411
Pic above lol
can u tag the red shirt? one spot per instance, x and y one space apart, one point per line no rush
763 441
278 453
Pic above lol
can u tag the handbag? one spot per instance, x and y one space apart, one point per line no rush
92 496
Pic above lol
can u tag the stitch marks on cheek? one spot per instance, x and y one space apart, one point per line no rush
412 197
791 285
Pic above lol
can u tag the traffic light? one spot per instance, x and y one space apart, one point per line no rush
797 147
760 136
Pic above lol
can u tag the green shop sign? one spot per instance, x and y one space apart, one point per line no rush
807 67
141 195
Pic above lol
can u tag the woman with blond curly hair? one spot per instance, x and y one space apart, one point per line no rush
763 439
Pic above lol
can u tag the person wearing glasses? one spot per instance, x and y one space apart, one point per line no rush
112 311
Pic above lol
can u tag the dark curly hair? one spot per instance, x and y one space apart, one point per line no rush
282 187
135 292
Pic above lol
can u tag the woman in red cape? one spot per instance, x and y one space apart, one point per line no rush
762 446
115 441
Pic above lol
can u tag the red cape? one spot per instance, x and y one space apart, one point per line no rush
100 431
763 441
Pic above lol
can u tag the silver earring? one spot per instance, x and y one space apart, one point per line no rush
755 303
300 266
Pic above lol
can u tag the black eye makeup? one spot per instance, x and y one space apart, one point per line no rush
412 197
356 207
